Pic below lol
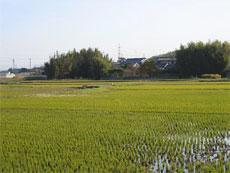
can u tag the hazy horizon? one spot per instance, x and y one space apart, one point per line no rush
36 29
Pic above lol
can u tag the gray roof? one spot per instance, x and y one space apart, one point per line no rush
133 60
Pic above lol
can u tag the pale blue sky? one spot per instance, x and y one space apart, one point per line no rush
37 28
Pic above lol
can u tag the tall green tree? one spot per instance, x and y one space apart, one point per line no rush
148 68
88 64
199 58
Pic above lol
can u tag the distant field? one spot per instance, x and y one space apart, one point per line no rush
67 126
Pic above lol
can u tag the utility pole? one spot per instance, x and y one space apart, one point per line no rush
13 65
119 51
30 65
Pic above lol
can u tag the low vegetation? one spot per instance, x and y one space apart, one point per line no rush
55 126
211 76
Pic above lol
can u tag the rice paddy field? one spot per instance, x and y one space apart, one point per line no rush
108 126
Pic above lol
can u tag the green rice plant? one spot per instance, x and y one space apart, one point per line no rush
53 126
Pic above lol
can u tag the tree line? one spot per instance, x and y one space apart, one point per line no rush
92 64
195 59
87 63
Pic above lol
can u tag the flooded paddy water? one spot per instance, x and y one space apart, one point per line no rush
192 152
